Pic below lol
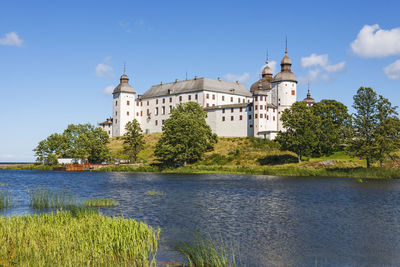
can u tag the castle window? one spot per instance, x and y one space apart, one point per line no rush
156 111
231 99
137 103
213 97
207 96
261 116
273 118
148 112
116 121
223 118
293 93
240 117
170 109
238 100
156 122
232 110
249 117
261 107
208 105
147 102
261 98
170 100
127 103
116 113
213 105
137 114
116 103
163 122
279 112
223 98
141 113
127 113
156 101
256 107
241 109
163 100
231 118
265 107
163 110
223 110
267 117
251 125
141 104
256 116
108 132
195 96
190 97
255 99
249 108
180 98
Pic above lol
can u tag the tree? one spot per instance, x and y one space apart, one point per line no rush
335 125
301 130
77 141
186 135
133 139
376 129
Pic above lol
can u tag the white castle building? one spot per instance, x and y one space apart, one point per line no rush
233 110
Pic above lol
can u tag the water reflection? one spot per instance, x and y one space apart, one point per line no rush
274 221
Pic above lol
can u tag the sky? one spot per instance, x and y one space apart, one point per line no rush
60 60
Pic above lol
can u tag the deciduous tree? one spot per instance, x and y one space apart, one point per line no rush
133 139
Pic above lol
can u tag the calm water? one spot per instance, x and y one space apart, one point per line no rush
273 220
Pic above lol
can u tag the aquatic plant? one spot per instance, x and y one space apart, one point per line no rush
100 202
204 252
6 200
42 199
79 237
154 193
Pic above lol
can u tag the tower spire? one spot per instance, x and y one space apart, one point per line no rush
286 46
124 68
267 59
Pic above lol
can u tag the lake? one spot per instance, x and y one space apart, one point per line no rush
272 220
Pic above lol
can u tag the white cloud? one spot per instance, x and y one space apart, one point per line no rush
341 66
240 78
104 70
393 70
11 39
272 65
372 41
108 90
311 77
314 60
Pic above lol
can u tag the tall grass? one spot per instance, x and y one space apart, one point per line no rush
100 202
76 238
205 252
42 199
6 200
154 193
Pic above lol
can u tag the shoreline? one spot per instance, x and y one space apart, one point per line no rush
286 170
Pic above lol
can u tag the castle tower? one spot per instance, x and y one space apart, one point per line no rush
123 105
284 88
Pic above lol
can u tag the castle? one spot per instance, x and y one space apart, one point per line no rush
233 110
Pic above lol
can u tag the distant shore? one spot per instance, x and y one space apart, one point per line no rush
289 170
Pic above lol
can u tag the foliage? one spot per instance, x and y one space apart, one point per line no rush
76 238
43 199
263 143
6 200
301 130
204 252
154 193
186 135
278 159
100 202
77 141
334 127
376 129
133 139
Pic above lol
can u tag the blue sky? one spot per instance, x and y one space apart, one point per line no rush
58 59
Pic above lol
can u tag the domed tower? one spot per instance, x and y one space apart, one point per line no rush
265 82
308 100
284 88
123 105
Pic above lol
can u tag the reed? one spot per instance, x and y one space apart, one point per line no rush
100 202
76 238
43 199
154 193
6 200
205 252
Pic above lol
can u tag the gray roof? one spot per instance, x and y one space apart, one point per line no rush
285 76
124 86
198 84
239 105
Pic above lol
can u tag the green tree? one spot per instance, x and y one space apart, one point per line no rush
301 130
376 129
77 141
334 128
186 135
133 139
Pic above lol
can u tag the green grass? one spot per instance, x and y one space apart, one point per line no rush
100 202
154 193
6 200
43 199
76 238
205 252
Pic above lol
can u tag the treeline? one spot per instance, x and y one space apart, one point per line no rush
371 133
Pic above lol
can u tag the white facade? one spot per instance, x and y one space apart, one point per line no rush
233 110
